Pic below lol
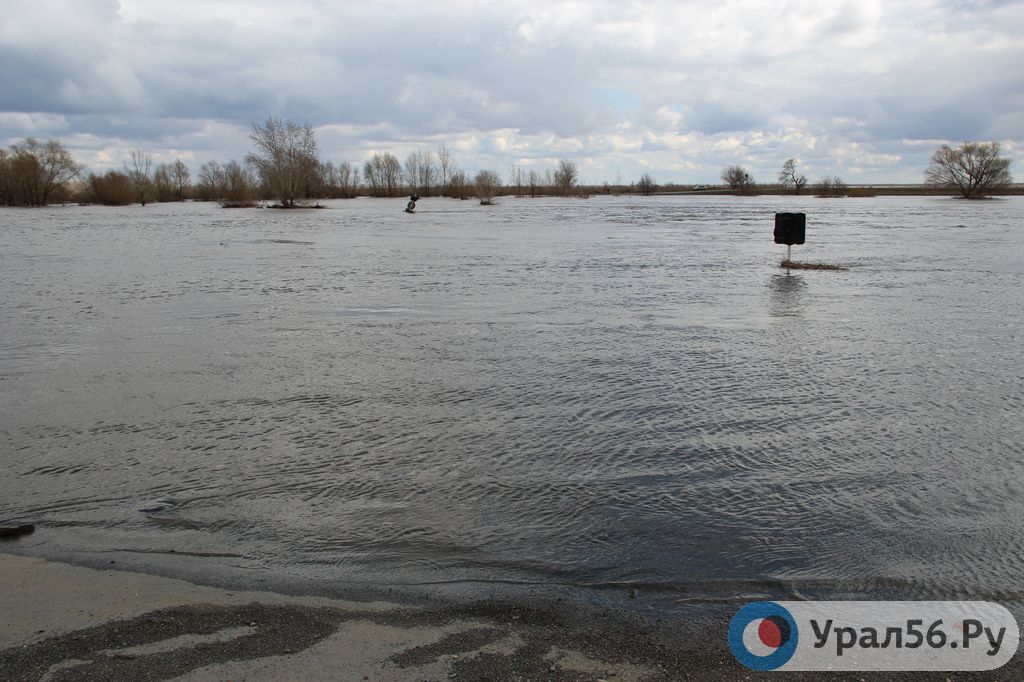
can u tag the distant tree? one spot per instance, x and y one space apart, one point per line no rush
348 179
181 179
6 183
830 188
517 181
487 184
428 174
329 179
206 186
383 174
646 184
33 173
231 185
339 182
286 159
737 178
420 172
163 185
533 181
458 185
138 168
392 174
973 169
445 167
170 181
113 188
372 176
789 177
566 175
236 186
412 172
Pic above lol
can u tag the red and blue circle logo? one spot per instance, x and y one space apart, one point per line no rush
763 636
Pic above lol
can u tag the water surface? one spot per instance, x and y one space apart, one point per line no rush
600 394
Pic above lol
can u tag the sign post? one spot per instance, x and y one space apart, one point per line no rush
790 228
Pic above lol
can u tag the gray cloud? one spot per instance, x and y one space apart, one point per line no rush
673 88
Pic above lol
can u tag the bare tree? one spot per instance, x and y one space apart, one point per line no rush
737 178
830 188
383 173
789 177
163 186
487 184
348 179
646 184
372 175
517 181
428 174
113 188
6 179
392 174
458 185
181 179
974 169
420 172
533 181
140 162
286 159
329 179
206 186
566 175
412 171
58 169
446 166
33 172
231 185
237 186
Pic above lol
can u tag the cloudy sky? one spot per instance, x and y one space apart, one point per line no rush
863 89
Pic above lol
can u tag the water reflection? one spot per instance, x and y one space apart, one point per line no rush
787 294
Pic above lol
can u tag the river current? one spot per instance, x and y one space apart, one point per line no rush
603 395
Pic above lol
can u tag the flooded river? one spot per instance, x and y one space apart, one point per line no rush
619 393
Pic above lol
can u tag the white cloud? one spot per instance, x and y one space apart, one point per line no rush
670 87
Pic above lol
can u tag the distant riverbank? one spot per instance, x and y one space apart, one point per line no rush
853 190
586 192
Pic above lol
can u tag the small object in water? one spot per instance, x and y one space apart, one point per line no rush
16 531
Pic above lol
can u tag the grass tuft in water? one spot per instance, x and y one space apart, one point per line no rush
796 265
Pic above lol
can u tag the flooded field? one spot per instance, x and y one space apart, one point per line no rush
589 395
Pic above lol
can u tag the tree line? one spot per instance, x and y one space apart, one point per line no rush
739 179
974 170
285 167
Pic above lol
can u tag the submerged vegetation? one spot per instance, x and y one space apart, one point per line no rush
487 184
796 265
286 161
